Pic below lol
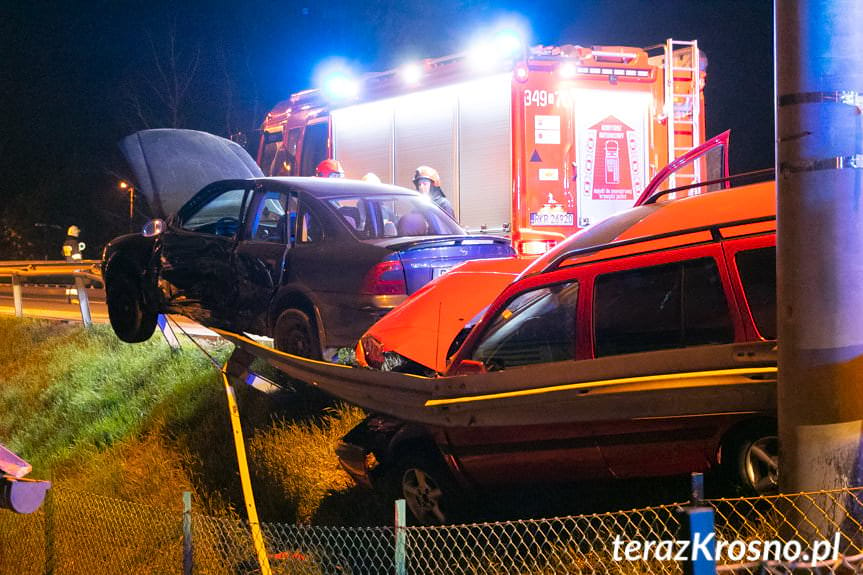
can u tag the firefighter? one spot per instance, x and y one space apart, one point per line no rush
72 247
371 178
427 182
330 168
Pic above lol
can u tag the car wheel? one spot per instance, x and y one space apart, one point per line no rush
296 334
132 319
754 465
427 488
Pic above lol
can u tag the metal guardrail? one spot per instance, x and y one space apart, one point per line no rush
22 271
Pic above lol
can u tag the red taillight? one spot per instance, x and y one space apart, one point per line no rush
386 278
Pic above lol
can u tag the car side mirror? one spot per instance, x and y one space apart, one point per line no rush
469 367
153 228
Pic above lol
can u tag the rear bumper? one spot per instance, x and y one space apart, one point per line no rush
345 320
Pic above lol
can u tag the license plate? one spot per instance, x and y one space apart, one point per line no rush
437 272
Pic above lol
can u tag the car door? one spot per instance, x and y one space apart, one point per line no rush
196 253
671 300
260 257
539 325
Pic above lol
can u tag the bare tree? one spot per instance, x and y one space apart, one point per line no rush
159 94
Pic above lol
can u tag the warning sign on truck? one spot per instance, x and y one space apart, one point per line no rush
611 153
607 172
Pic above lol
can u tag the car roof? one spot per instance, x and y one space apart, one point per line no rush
330 188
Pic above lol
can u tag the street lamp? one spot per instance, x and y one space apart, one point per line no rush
127 186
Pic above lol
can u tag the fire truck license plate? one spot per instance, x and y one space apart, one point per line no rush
551 219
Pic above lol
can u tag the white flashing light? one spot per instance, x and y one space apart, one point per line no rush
412 74
483 56
568 71
508 43
337 80
341 87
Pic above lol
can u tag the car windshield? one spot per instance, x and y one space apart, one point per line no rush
394 216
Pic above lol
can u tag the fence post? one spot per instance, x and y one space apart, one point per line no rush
187 533
696 526
16 296
401 523
50 559
697 483
83 301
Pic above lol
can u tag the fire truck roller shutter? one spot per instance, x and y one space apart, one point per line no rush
425 132
363 139
485 153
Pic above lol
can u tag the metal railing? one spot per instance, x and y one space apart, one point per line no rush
38 272
82 533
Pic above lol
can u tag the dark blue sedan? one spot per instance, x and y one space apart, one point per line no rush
310 262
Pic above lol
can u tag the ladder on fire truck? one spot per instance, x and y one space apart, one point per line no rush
682 62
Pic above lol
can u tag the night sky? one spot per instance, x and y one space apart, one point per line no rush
77 77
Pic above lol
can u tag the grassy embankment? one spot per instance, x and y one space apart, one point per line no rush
143 423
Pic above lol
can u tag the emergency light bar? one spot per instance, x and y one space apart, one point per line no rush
599 71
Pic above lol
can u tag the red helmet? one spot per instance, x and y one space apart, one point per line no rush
428 173
330 168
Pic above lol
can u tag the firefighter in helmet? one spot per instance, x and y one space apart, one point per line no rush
427 182
330 168
72 247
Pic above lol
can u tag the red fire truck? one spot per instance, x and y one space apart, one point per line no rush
538 147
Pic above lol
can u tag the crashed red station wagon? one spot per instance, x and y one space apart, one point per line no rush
642 346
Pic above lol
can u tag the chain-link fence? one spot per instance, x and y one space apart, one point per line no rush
82 533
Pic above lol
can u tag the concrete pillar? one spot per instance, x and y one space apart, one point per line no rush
819 71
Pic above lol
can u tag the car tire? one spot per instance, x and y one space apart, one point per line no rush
426 485
132 319
295 333
753 465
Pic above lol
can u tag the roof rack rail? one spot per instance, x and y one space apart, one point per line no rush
562 257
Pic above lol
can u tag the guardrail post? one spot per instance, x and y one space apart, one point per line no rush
187 533
168 332
16 296
401 539
83 301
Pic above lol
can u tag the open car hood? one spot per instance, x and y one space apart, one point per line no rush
170 166
423 326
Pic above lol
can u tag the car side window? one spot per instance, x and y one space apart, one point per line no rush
221 216
537 326
271 216
661 307
309 229
757 269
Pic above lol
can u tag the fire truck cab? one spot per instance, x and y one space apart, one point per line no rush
537 146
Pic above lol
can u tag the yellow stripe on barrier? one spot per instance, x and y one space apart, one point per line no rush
600 383
245 480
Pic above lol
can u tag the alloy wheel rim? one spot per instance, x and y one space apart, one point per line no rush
423 496
761 464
